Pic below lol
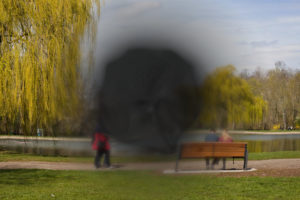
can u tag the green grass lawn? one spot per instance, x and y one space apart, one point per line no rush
12 156
140 185
269 131
274 155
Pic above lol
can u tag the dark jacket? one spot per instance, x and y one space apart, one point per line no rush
212 137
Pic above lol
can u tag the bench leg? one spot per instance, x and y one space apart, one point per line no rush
245 158
178 157
245 162
176 167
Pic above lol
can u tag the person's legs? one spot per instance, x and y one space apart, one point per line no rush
215 161
207 163
98 158
107 158
224 163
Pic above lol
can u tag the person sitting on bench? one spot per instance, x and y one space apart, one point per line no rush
225 137
211 137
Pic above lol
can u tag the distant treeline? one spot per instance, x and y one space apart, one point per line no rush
269 100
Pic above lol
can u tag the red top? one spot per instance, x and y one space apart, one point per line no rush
100 137
222 139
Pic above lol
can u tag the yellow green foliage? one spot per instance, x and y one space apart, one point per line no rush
39 60
276 127
229 102
256 112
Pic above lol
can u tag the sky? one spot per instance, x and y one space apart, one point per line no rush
247 34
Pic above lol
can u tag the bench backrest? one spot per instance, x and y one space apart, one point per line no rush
213 149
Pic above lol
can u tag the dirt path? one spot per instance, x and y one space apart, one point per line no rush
275 167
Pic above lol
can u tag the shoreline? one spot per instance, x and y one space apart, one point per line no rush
202 131
21 137
265 133
241 132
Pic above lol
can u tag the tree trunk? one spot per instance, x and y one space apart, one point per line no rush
284 120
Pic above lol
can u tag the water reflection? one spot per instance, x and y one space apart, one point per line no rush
274 145
81 147
260 143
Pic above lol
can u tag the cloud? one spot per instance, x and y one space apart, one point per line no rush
287 49
136 8
258 44
207 29
289 20
265 57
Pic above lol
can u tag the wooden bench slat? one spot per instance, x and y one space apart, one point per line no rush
228 154
210 148
195 155
214 150
229 149
212 154
208 144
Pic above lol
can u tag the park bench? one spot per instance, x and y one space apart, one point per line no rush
212 150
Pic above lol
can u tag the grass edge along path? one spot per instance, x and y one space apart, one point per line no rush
12 156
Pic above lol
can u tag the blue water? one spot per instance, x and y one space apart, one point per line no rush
258 143
245 137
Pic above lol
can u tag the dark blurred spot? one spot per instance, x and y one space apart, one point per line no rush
148 98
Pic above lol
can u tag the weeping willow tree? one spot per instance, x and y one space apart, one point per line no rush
229 102
39 60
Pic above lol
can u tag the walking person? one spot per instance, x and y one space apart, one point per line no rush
100 143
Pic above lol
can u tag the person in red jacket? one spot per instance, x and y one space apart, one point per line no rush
225 137
100 143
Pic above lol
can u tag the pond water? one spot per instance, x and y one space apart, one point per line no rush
61 146
81 147
259 142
